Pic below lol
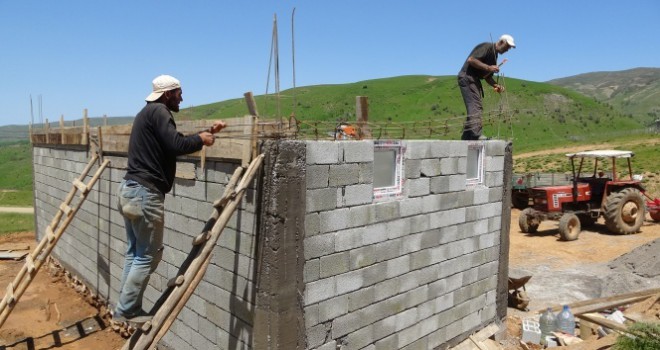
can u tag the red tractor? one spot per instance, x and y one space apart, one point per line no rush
619 201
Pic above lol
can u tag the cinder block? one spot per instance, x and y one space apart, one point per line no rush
317 176
366 173
358 194
430 167
531 331
322 152
412 168
343 174
417 149
418 187
358 151
321 199
334 264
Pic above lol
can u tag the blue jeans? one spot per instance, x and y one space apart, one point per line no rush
143 211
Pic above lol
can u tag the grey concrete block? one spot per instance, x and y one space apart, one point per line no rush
359 216
334 264
345 324
358 194
366 173
494 163
358 151
418 187
348 239
333 308
322 152
312 224
496 148
417 149
361 338
362 257
386 211
344 174
411 206
317 176
334 220
320 290
321 199
361 298
412 168
430 167
449 166
312 270
350 281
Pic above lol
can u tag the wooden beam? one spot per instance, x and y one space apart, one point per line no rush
85 132
604 322
592 305
362 116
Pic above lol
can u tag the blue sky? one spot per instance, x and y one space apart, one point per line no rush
102 55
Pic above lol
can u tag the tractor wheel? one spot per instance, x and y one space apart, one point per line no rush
528 222
587 220
624 211
520 200
569 227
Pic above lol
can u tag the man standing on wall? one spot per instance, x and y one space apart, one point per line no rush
480 64
153 147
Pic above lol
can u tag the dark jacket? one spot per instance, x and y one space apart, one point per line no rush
154 145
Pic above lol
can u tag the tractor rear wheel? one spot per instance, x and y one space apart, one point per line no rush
528 222
569 227
624 211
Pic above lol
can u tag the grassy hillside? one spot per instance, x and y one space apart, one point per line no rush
16 174
541 115
634 91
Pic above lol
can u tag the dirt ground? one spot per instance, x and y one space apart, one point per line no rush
53 314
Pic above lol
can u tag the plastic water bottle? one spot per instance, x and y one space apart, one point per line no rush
548 324
566 321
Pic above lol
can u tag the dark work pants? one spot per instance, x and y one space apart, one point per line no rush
472 95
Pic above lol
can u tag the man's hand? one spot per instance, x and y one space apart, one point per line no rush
217 126
494 69
207 138
498 88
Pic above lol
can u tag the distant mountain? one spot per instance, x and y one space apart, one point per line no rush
634 91
10 133
534 115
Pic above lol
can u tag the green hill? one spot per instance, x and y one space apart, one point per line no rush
634 91
541 115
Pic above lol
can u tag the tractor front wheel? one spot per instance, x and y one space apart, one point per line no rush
624 211
528 222
569 227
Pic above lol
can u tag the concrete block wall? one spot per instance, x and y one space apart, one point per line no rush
220 312
415 272
311 260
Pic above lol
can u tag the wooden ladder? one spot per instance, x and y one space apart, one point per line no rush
182 287
37 258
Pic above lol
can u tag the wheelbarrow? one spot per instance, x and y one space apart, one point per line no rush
517 294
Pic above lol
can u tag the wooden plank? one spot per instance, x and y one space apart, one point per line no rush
29 263
246 156
82 187
584 306
603 322
49 233
9 295
12 255
65 208
14 246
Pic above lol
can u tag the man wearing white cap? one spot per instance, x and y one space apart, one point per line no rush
153 147
480 64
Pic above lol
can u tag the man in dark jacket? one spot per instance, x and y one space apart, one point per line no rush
480 64
153 147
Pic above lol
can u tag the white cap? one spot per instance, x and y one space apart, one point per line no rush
161 84
509 40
